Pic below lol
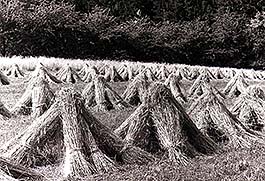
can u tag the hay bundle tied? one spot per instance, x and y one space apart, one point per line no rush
126 72
162 73
42 71
84 70
213 119
173 83
102 68
148 74
90 74
100 95
197 87
23 148
160 124
256 91
15 71
193 73
138 68
260 74
111 144
249 108
252 74
10 171
112 74
101 161
207 73
218 73
182 72
76 164
229 72
135 92
68 75
37 98
236 86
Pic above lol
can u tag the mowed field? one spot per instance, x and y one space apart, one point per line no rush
227 164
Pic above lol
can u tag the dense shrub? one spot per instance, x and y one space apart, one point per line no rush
256 29
55 28
50 29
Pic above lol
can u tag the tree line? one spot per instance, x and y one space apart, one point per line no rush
205 32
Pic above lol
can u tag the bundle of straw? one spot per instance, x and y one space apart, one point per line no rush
249 108
42 97
42 71
68 75
90 74
111 144
163 73
15 71
22 148
173 82
135 91
100 95
112 74
75 163
126 72
235 86
210 111
162 119
38 97
84 70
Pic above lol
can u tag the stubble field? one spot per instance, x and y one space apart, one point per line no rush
228 164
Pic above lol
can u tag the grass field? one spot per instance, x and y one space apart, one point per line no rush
228 164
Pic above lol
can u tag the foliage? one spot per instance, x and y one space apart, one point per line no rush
208 32
256 29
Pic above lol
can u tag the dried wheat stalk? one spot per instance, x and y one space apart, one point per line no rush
209 107
76 164
111 144
84 70
112 75
101 161
100 95
15 71
90 74
235 86
196 89
42 71
67 74
21 149
135 91
174 127
163 73
126 72
103 103
249 108
173 82
161 114
16 171
42 97
23 106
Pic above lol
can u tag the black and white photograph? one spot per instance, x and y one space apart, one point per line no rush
132 90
